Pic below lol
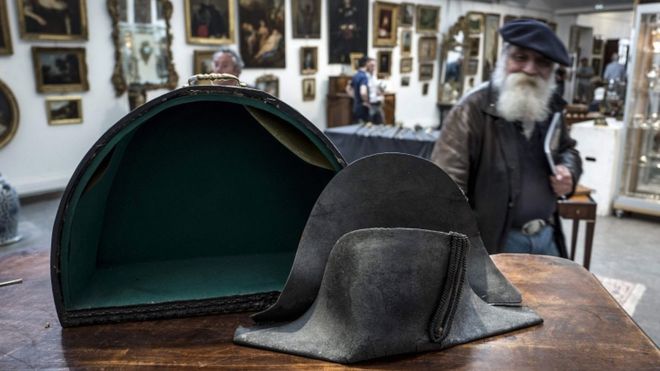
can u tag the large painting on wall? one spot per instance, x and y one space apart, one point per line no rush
306 19
52 20
8 115
209 22
60 69
348 29
262 33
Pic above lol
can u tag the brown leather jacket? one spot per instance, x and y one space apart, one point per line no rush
476 149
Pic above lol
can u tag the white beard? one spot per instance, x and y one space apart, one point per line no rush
523 98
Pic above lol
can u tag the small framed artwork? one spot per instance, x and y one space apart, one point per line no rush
306 19
8 115
475 23
355 59
425 71
203 61
386 16
309 89
63 20
428 18
270 84
425 88
384 60
209 21
473 44
405 80
472 66
407 14
309 56
406 42
60 69
406 65
5 36
428 47
64 110
597 48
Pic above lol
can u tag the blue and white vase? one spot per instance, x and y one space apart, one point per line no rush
9 210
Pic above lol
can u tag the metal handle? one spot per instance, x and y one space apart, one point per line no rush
212 78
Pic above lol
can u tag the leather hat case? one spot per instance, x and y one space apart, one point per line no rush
192 204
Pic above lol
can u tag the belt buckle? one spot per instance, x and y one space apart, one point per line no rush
533 227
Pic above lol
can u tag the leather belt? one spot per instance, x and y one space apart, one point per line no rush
533 227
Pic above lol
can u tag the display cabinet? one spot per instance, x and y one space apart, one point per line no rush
640 183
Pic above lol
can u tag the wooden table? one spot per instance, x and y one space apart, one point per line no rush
577 208
584 328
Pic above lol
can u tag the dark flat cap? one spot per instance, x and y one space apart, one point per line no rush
537 36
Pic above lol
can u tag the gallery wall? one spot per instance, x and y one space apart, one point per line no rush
42 158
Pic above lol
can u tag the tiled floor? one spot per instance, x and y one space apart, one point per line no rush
626 249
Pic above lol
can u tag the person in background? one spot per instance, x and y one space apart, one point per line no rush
359 89
492 145
584 73
226 60
614 71
560 80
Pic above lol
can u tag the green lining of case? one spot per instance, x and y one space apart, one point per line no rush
165 213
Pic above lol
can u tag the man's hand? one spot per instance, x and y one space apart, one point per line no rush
562 182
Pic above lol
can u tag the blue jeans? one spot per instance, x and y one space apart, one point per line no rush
541 243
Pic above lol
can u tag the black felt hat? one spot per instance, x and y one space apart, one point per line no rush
537 36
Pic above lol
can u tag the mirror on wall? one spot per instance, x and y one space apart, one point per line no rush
453 63
142 38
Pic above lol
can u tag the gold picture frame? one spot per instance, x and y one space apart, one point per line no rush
309 57
60 69
386 18
355 58
425 71
5 35
309 89
405 65
407 14
203 61
9 115
210 22
306 19
427 48
406 42
41 23
428 18
269 83
64 110
475 23
384 64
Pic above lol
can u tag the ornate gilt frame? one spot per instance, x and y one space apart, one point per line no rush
118 80
379 6
4 29
83 85
20 4
426 8
190 39
7 136
49 111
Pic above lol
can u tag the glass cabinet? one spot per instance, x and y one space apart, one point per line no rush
640 183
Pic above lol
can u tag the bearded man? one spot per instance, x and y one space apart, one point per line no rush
491 144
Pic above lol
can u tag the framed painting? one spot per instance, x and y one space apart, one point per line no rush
8 115
62 20
428 48
425 71
348 29
428 18
209 21
262 38
405 80
385 20
472 66
473 44
406 42
306 19
475 23
309 89
60 69
425 88
5 36
270 84
384 60
355 59
407 14
64 110
406 65
203 61
309 60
